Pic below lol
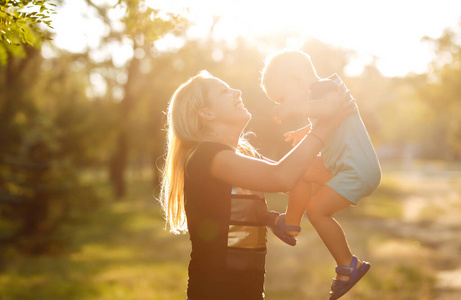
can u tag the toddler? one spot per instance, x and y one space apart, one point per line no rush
347 170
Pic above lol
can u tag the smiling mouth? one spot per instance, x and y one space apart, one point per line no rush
240 105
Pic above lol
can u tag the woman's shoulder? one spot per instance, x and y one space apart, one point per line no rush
202 155
204 152
210 147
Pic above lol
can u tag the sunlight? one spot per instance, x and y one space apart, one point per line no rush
169 43
376 30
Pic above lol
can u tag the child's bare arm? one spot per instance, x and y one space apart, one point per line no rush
297 135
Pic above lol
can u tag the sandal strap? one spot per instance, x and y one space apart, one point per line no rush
282 224
347 271
338 284
343 270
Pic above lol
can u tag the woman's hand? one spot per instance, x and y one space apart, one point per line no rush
341 106
347 106
335 104
329 106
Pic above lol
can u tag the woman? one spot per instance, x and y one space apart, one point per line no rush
213 183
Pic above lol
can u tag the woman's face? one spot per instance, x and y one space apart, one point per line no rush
225 104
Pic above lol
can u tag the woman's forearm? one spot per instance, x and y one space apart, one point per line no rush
256 174
292 166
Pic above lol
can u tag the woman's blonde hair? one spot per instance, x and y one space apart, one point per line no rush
185 130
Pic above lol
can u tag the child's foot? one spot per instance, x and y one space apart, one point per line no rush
347 277
278 226
288 223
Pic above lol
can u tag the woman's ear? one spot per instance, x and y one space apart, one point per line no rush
206 114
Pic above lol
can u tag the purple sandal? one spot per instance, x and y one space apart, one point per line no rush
340 287
281 228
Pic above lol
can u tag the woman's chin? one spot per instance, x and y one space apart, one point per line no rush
248 115
248 118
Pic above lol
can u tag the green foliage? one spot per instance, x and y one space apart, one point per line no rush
142 27
442 94
146 25
50 118
19 20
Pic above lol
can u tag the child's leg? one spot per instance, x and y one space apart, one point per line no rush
299 197
320 211
317 173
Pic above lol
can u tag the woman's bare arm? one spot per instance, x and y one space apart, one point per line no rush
281 176
261 175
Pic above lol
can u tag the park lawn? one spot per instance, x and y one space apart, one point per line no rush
119 250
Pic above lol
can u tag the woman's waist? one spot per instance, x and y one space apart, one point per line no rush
228 262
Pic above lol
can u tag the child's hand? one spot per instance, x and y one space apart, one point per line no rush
283 111
297 135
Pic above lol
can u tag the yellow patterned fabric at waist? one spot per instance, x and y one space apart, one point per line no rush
247 237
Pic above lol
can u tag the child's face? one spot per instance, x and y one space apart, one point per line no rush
288 90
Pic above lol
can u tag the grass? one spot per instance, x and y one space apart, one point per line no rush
400 268
119 250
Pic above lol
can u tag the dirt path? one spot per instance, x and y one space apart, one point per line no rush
432 215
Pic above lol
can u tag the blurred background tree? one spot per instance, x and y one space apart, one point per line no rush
48 131
440 90
140 27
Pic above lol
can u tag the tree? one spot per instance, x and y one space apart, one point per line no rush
48 137
142 26
442 93
19 25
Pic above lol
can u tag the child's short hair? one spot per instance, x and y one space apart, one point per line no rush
285 63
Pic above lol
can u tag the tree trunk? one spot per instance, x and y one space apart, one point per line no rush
119 160
118 165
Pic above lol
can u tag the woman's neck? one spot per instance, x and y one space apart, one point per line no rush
226 135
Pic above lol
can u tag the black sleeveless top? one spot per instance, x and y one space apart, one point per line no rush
227 232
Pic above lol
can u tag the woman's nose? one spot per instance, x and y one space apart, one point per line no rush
238 92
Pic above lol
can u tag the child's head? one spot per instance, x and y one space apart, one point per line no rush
287 75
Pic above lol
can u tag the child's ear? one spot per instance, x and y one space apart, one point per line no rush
206 114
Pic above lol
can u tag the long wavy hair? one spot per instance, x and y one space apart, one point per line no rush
185 131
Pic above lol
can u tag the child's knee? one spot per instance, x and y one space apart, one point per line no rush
315 212
313 215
